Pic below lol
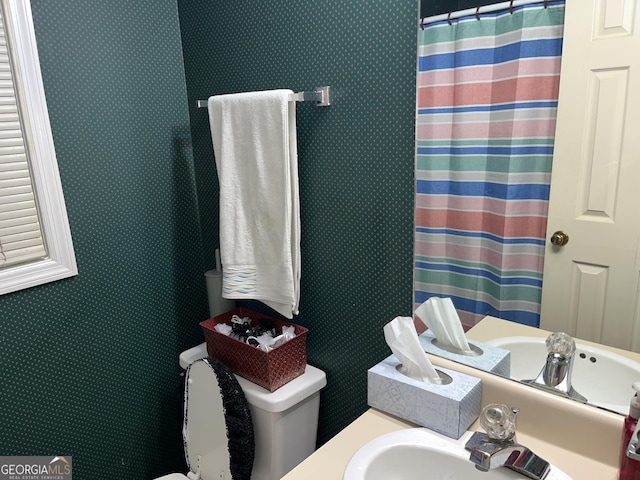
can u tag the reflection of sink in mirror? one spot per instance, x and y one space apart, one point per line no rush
424 454
603 377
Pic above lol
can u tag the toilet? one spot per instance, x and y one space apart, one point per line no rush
285 422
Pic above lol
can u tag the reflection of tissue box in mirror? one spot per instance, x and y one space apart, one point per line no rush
486 357
448 409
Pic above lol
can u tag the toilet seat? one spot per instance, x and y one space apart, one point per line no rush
204 427
210 390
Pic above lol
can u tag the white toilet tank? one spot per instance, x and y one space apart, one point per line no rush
285 422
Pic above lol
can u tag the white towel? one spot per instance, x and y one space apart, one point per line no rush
254 141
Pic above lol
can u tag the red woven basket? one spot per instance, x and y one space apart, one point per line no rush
270 370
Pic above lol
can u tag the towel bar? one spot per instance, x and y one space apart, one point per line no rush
321 96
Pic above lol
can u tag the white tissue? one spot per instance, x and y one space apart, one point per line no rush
401 336
265 342
223 328
440 316
288 331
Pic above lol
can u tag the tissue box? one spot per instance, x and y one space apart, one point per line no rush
270 370
447 409
489 358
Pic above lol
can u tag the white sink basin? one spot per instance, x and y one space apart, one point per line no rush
421 454
603 377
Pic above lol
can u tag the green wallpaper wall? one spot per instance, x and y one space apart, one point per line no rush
89 364
356 161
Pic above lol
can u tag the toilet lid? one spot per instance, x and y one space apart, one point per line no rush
214 442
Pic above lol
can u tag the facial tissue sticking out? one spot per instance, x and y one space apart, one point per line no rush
440 316
402 337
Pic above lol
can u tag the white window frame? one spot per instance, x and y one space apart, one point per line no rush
60 262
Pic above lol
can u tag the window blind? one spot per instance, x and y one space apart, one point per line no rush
21 238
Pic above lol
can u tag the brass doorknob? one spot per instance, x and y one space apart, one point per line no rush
559 238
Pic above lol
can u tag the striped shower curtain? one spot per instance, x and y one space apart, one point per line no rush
486 108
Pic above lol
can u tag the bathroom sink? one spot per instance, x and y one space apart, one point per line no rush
421 454
592 368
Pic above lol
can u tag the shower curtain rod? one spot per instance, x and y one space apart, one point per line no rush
319 95
478 10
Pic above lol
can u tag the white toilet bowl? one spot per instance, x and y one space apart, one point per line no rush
285 422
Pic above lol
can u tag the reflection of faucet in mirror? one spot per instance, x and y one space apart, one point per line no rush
499 448
555 375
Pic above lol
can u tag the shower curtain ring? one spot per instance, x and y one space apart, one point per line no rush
511 7
449 18
545 3
478 12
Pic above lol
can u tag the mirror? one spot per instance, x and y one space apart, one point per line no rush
599 317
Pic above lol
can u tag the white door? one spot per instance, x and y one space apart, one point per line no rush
590 285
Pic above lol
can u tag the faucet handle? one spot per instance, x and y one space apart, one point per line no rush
499 421
561 343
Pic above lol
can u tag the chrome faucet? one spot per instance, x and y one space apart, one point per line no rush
555 376
499 448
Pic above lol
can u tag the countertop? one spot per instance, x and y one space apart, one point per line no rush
330 460
581 440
